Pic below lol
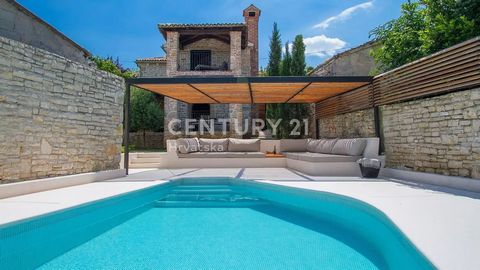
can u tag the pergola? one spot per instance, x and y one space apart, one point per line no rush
242 90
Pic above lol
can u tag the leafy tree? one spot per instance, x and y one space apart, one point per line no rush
112 66
400 38
444 25
298 57
275 55
147 114
471 10
425 27
286 63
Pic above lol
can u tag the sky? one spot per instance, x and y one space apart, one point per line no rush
128 29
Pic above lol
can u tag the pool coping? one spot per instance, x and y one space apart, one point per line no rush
442 225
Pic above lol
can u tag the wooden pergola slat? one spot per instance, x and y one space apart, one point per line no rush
251 90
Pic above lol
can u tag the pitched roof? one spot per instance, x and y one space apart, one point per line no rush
199 25
152 59
56 31
164 27
367 44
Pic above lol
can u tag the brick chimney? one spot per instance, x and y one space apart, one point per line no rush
251 15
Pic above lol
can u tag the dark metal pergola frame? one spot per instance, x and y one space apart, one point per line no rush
225 80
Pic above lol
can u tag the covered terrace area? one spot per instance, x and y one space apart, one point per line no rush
244 90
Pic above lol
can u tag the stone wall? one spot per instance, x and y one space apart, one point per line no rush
58 117
359 124
354 62
148 140
436 135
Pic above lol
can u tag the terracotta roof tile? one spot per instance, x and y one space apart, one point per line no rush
199 25
152 59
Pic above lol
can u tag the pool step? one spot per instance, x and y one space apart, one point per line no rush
201 191
202 186
196 197
213 204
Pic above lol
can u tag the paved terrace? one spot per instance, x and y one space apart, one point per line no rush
443 223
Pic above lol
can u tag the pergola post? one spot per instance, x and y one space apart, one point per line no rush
126 128
376 119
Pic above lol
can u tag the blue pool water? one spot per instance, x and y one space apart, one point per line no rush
211 224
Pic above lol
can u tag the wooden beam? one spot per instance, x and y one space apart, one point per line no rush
299 91
250 91
203 93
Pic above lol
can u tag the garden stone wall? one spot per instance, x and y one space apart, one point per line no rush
435 135
58 117
359 124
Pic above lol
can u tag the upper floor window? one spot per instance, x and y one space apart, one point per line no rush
200 59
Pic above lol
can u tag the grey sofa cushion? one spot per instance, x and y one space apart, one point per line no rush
313 144
291 155
318 157
187 145
325 146
213 145
254 154
222 155
293 145
243 145
351 147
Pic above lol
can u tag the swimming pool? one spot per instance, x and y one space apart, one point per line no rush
211 223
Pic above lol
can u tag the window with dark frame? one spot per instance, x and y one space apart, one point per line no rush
200 57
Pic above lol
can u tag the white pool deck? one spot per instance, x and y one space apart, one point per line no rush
443 223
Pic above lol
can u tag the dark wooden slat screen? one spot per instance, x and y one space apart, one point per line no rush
452 69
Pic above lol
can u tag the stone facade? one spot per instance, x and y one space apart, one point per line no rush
354 62
152 69
231 46
19 24
435 135
359 124
59 117
220 52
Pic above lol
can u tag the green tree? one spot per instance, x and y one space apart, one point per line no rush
286 63
445 26
273 68
471 10
287 111
298 57
114 67
147 114
425 27
275 55
299 110
400 38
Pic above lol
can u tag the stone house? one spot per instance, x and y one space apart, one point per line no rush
218 49
18 23
354 62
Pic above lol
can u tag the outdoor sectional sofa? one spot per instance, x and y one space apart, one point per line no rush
332 157
329 157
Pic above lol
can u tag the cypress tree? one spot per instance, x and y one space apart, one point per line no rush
298 57
275 55
286 62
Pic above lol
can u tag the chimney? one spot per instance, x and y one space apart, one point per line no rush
251 15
